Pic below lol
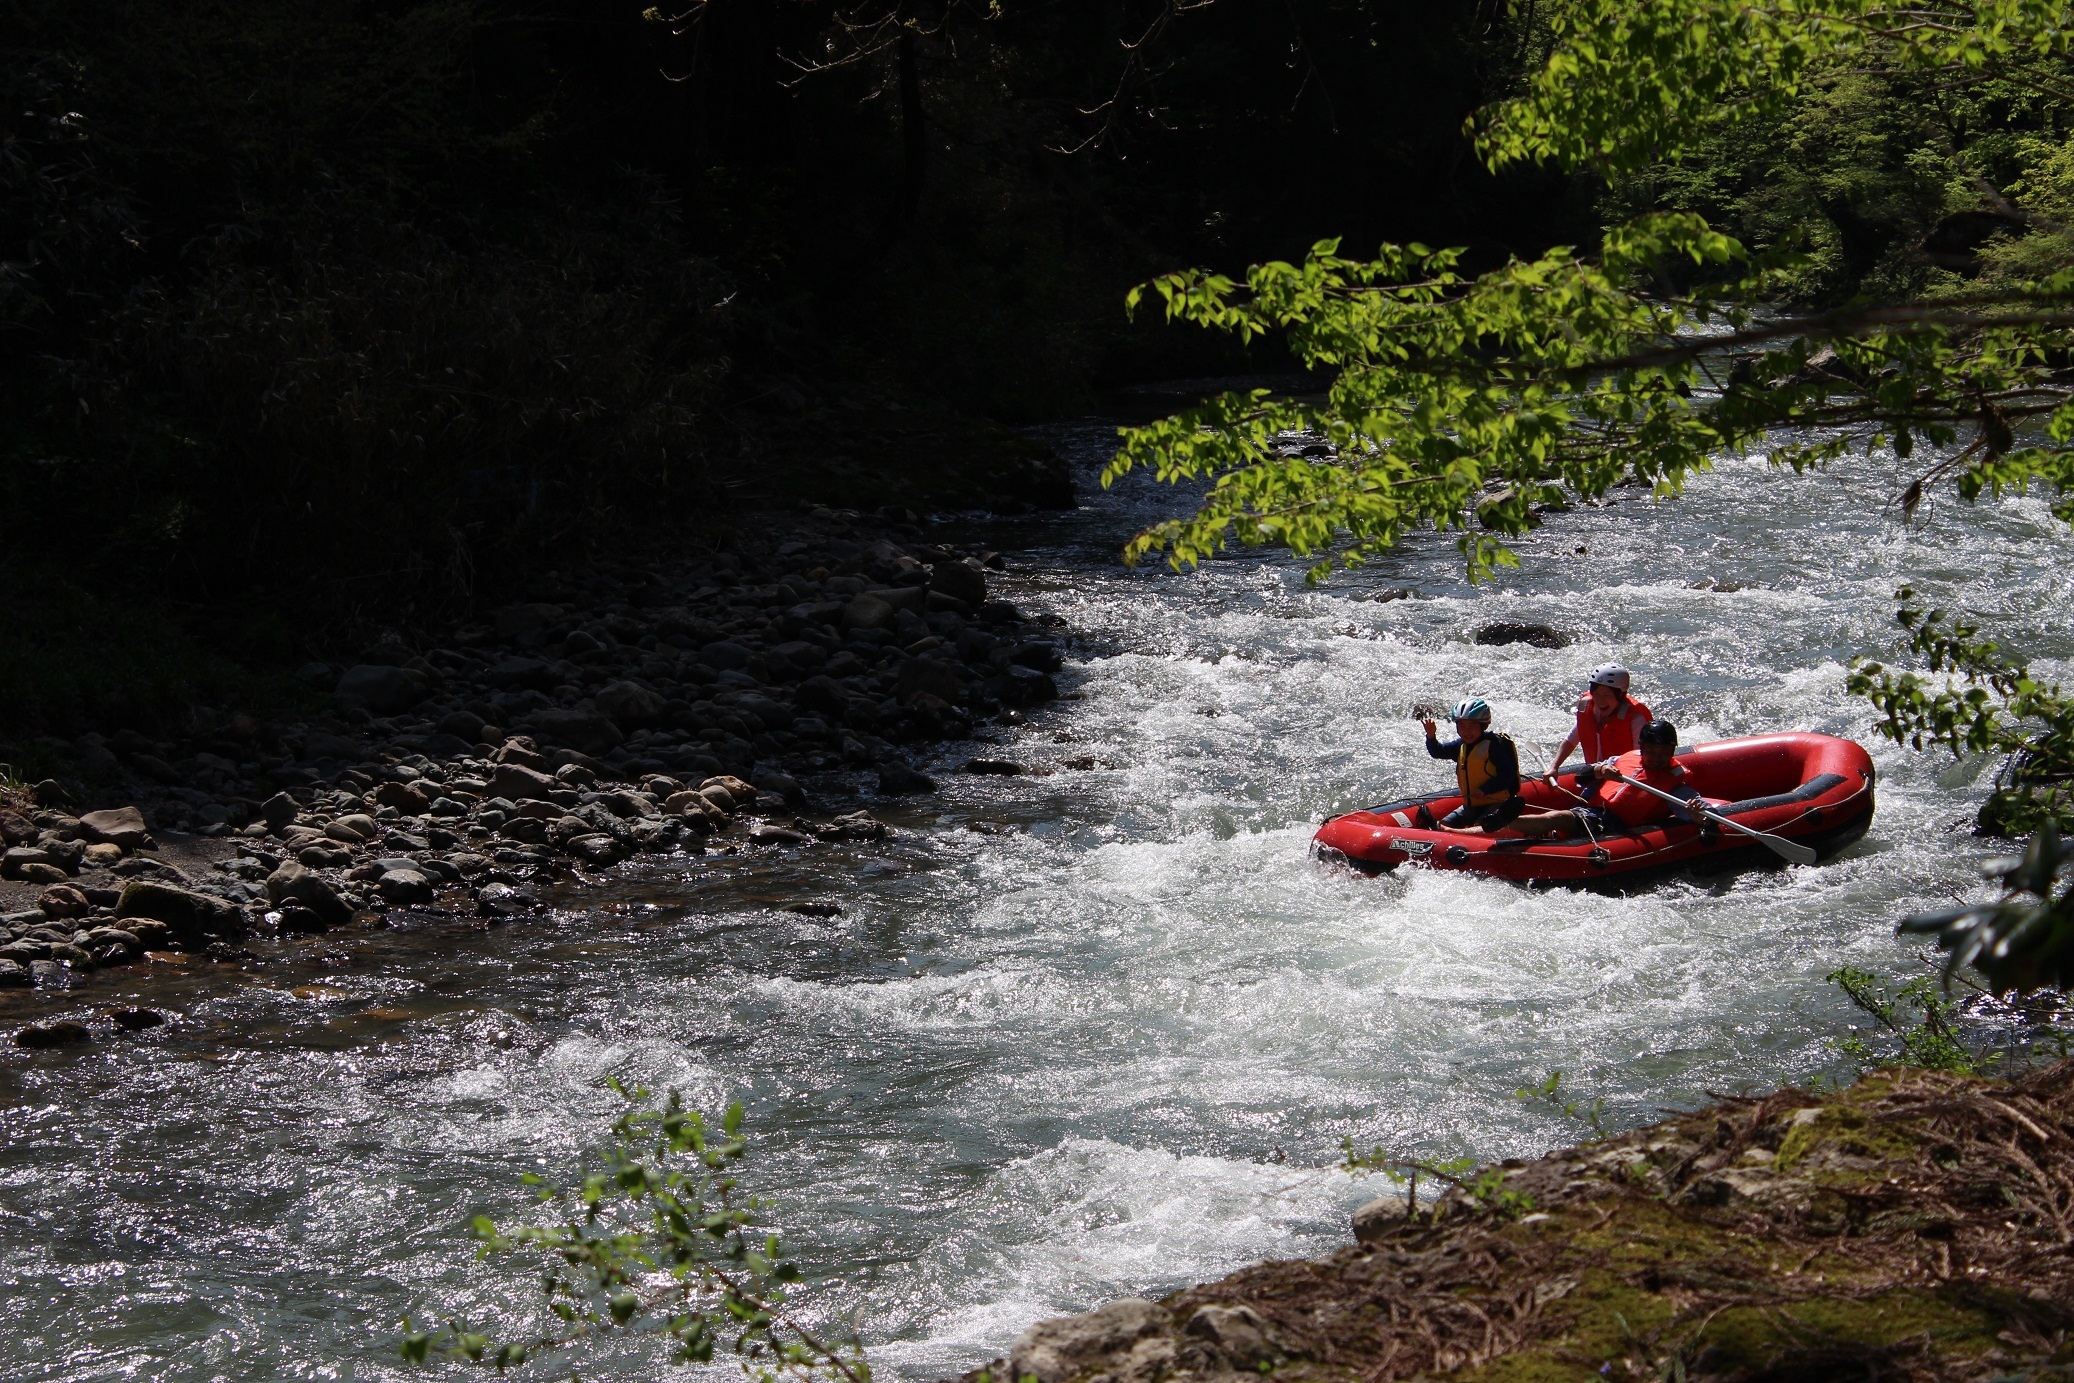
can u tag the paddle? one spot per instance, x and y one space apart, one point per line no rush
1778 845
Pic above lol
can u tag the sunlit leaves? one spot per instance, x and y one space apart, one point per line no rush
1635 81
1457 404
1471 403
1931 1041
1985 704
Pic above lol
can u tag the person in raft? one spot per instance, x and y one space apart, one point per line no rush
1486 771
1607 720
1621 805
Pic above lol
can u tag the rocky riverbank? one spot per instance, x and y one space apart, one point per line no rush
682 707
1916 1226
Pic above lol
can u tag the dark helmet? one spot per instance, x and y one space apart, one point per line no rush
1658 732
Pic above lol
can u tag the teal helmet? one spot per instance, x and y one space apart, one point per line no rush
1475 708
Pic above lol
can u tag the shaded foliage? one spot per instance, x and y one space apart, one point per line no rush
388 302
2023 940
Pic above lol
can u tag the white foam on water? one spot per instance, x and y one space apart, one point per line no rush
1304 1008
1093 1219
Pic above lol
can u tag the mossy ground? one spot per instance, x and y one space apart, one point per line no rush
1915 1226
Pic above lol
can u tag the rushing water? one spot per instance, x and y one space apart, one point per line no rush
1089 1051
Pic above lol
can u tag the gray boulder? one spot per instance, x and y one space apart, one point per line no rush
961 581
588 732
462 725
1506 631
867 611
279 811
775 715
119 826
631 704
781 785
1022 686
293 884
824 694
405 888
1373 1219
898 780
799 655
521 674
1237 1333
724 653
502 900
514 620
914 599
383 690
1128 1339
18 861
191 916
932 675
57 1032
597 850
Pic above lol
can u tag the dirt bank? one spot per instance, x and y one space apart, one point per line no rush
1916 1226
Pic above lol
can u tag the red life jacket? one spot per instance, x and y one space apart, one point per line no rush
1616 736
1634 807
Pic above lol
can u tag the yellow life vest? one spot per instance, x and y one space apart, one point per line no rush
1475 774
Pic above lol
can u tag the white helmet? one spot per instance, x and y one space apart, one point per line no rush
1610 675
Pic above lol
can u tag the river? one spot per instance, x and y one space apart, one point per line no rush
1090 1049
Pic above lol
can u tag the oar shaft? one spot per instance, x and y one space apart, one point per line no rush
1791 848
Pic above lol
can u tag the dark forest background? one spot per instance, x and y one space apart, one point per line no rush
333 313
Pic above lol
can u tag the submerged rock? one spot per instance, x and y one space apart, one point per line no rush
898 780
58 1032
1506 631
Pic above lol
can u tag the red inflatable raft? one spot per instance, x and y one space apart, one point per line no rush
1812 789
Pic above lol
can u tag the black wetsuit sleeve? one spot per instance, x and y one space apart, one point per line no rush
1505 760
1442 751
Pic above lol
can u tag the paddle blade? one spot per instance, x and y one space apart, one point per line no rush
1786 849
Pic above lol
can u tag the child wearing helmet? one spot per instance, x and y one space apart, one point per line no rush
1607 720
1618 804
1486 770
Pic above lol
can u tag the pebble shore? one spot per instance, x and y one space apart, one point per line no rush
678 707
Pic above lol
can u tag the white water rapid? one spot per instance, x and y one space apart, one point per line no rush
1095 1052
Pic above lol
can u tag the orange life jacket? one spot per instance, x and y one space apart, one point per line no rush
1634 807
1615 737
